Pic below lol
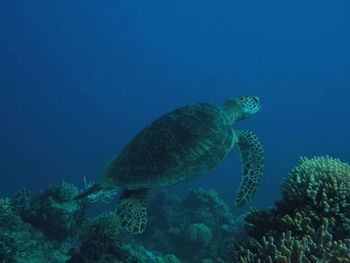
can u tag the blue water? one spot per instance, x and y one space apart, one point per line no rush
78 79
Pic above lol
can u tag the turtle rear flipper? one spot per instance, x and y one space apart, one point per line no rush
252 159
132 210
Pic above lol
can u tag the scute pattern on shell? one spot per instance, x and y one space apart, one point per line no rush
176 147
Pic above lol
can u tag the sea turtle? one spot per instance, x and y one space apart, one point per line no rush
179 146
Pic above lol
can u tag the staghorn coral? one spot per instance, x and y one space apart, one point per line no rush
319 246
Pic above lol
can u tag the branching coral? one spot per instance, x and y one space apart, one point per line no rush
66 192
314 248
323 182
317 188
315 196
106 226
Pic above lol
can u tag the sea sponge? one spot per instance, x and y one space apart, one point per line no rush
199 233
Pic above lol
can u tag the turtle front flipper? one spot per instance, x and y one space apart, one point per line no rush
132 210
252 158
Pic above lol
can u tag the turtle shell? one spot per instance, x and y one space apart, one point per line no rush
176 147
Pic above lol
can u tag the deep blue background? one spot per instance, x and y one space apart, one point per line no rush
79 78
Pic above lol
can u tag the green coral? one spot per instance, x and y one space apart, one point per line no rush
106 226
200 220
21 242
66 192
50 211
199 233
46 227
6 207
101 242
317 188
208 199
319 246
314 209
172 259
321 182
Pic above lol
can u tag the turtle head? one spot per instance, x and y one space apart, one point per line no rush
242 107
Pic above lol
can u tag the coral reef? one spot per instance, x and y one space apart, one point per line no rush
106 226
21 242
311 224
65 192
52 228
317 188
199 233
319 246
321 188
52 211
200 222
313 213
102 243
